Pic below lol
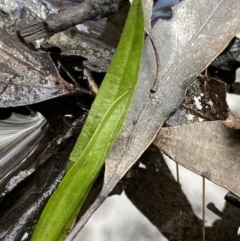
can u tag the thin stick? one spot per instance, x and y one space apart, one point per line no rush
81 223
203 208
177 172
87 10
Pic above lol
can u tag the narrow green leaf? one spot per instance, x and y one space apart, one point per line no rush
65 200
121 76
101 129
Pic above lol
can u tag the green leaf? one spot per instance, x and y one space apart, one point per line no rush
65 200
121 76
101 129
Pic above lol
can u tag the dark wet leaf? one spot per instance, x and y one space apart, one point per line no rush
226 64
23 192
26 76
20 209
235 88
186 44
205 100
98 54
19 136
209 149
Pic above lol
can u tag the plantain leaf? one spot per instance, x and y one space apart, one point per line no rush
122 75
101 129
65 201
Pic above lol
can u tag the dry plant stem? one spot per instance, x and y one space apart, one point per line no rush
93 87
158 74
87 10
67 73
83 220
177 172
148 5
203 207
197 112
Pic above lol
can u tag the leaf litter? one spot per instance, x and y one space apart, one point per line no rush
27 76
209 149
186 45
103 124
205 100
196 138
181 85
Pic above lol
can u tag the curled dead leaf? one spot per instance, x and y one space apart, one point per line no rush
232 121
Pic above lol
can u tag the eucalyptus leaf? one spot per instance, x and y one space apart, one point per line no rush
209 149
183 54
101 129
196 34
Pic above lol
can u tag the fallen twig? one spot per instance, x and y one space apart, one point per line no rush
87 10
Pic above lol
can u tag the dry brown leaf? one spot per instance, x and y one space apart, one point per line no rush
209 149
180 42
232 121
197 33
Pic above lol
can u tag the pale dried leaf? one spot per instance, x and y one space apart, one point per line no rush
197 33
186 44
209 149
232 121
